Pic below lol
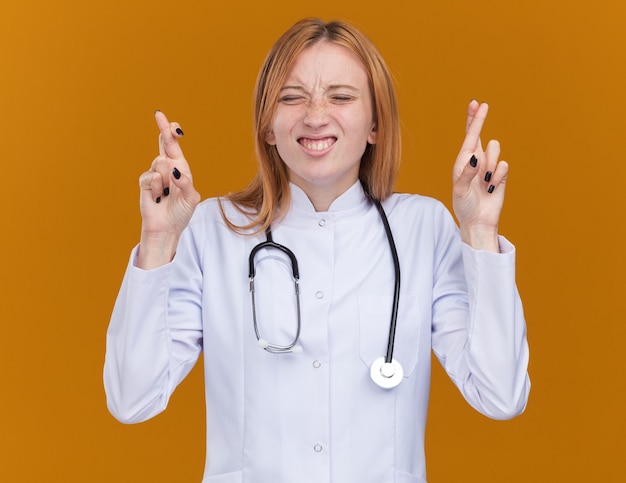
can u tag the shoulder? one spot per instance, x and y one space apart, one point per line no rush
417 205
420 217
208 235
213 210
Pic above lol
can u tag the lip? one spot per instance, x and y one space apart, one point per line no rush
317 145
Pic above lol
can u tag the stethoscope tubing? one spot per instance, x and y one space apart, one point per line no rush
396 288
270 243
385 372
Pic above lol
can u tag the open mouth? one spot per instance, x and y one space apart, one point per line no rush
317 144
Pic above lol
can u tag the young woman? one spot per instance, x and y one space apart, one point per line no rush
316 293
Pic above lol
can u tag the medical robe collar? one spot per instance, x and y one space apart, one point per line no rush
352 203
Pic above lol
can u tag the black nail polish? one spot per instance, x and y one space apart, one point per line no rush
158 200
166 191
473 161
176 173
488 176
179 131
491 188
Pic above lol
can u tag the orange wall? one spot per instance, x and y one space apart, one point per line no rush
79 81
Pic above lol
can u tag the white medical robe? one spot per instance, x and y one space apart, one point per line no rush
317 417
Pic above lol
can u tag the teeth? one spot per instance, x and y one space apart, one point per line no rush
316 145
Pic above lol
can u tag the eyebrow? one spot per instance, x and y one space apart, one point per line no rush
330 88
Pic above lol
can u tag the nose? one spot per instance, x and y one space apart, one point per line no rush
316 115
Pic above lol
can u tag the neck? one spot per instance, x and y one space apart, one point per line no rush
321 197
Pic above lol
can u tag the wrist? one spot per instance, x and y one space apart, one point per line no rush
481 237
156 250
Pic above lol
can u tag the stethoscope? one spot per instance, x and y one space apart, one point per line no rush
384 371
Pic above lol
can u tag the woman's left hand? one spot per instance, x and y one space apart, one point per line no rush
478 182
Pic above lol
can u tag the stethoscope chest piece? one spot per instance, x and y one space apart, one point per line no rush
386 374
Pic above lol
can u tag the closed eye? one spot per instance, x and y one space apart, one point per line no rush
341 98
291 99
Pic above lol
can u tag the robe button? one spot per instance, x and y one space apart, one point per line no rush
317 448
317 364
319 294
322 222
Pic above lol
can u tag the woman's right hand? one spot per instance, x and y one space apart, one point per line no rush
167 200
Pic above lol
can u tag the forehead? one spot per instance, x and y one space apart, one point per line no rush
327 63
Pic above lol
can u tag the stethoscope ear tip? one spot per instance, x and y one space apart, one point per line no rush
263 344
296 349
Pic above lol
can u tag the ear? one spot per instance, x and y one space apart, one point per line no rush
372 137
270 138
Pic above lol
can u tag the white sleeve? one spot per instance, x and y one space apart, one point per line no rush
480 336
154 337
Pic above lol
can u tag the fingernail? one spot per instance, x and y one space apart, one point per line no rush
179 131
158 110
491 188
158 200
166 191
488 176
176 173
473 161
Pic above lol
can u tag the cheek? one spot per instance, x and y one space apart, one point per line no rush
363 134
278 129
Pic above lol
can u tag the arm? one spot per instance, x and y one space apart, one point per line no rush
151 343
479 331
154 336
482 345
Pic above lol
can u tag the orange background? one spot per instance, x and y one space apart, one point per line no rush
79 81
